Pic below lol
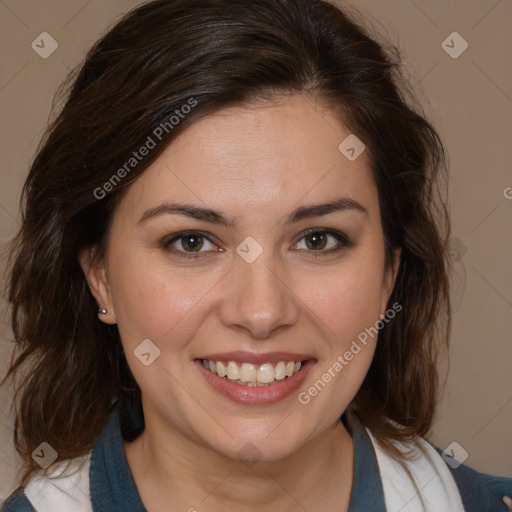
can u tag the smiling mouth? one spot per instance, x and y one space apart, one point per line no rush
254 375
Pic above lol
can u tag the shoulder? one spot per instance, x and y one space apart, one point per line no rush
441 482
100 480
17 502
65 489
479 491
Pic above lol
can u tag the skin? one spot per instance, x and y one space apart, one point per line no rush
255 164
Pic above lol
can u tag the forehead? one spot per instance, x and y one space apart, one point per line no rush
257 159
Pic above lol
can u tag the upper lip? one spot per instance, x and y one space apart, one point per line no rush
256 358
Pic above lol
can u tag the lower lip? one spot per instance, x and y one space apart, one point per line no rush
255 395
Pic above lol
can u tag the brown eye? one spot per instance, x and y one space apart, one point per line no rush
192 242
189 243
317 242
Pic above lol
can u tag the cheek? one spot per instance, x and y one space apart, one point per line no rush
347 302
346 299
154 300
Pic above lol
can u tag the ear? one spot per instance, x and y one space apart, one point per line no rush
97 279
390 274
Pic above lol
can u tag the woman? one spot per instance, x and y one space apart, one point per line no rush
230 286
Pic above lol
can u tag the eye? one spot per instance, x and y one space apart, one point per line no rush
187 243
317 241
190 244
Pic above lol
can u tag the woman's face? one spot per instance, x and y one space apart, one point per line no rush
257 288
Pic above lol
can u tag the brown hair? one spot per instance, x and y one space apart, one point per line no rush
70 368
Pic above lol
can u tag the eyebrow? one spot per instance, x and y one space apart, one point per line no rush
216 217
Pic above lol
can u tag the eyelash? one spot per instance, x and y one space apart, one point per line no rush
343 240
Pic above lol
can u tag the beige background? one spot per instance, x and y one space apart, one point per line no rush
469 99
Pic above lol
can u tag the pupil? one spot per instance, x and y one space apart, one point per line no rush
193 242
317 239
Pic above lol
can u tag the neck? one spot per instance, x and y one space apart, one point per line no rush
169 468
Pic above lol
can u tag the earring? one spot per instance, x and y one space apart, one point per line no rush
102 311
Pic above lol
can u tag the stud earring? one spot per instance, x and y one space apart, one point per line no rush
102 311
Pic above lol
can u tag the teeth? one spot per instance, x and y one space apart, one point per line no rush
248 372
233 371
265 374
221 369
253 375
280 371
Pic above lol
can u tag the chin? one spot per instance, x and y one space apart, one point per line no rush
262 442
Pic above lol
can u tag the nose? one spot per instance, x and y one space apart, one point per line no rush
257 300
